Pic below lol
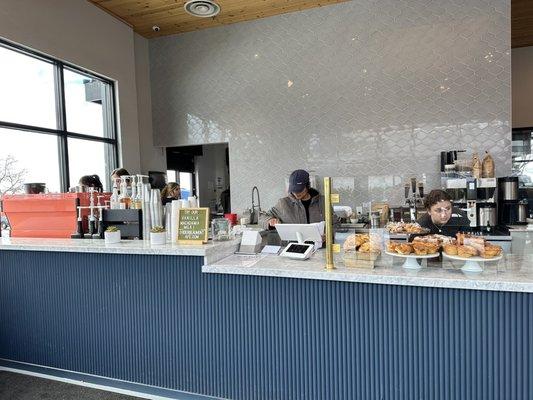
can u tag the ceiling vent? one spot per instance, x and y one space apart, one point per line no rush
202 8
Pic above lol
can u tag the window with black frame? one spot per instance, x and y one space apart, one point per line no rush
522 155
57 122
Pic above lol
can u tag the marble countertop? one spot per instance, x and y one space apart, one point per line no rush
521 228
513 273
212 251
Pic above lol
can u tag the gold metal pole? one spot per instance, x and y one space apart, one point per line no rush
329 224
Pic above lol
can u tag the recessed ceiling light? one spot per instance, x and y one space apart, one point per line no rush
202 8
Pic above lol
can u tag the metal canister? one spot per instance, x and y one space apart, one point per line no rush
509 188
487 215
522 212
375 219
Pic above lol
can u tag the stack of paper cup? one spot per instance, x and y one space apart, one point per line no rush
147 219
156 208
184 203
174 221
168 220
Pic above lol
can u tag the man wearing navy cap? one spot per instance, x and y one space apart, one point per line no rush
303 205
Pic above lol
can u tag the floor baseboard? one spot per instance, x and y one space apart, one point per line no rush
99 382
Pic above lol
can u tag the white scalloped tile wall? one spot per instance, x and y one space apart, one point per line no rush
368 92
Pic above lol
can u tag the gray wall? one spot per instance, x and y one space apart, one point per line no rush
368 92
152 158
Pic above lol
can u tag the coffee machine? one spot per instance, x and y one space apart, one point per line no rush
511 210
477 198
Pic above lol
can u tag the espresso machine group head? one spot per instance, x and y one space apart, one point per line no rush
414 202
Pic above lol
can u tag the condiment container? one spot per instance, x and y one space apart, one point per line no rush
220 229
476 166
487 166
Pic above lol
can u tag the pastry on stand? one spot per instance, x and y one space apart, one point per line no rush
412 252
474 253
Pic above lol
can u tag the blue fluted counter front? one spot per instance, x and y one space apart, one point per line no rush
156 324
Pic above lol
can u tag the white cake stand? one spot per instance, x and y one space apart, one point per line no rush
411 260
472 264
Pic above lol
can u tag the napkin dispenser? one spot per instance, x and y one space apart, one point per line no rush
250 243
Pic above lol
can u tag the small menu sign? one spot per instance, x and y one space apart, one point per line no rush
193 225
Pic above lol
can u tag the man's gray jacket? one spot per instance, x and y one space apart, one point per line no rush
290 210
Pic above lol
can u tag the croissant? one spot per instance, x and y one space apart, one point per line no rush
360 239
350 243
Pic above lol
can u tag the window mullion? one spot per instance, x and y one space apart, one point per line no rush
61 116
110 129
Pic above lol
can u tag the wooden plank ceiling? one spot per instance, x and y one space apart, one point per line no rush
170 16
521 23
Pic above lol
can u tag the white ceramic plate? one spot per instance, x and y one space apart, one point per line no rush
452 257
412 255
411 259
472 264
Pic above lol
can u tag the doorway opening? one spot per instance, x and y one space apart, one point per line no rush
202 171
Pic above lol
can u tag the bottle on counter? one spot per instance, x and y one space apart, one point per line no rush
487 166
124 197
136 194
140 191
6 231
114 203
476 166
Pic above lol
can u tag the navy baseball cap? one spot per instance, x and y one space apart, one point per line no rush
298 181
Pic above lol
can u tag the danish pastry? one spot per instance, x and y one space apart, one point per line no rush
404 249
420 249
450 249
466 251
391 247
491 251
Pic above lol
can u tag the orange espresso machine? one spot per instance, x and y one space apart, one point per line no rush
51 215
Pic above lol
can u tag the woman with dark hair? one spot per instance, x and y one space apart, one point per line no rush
170 192
91 181
117 173
442 217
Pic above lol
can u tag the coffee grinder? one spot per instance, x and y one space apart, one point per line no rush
471 201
